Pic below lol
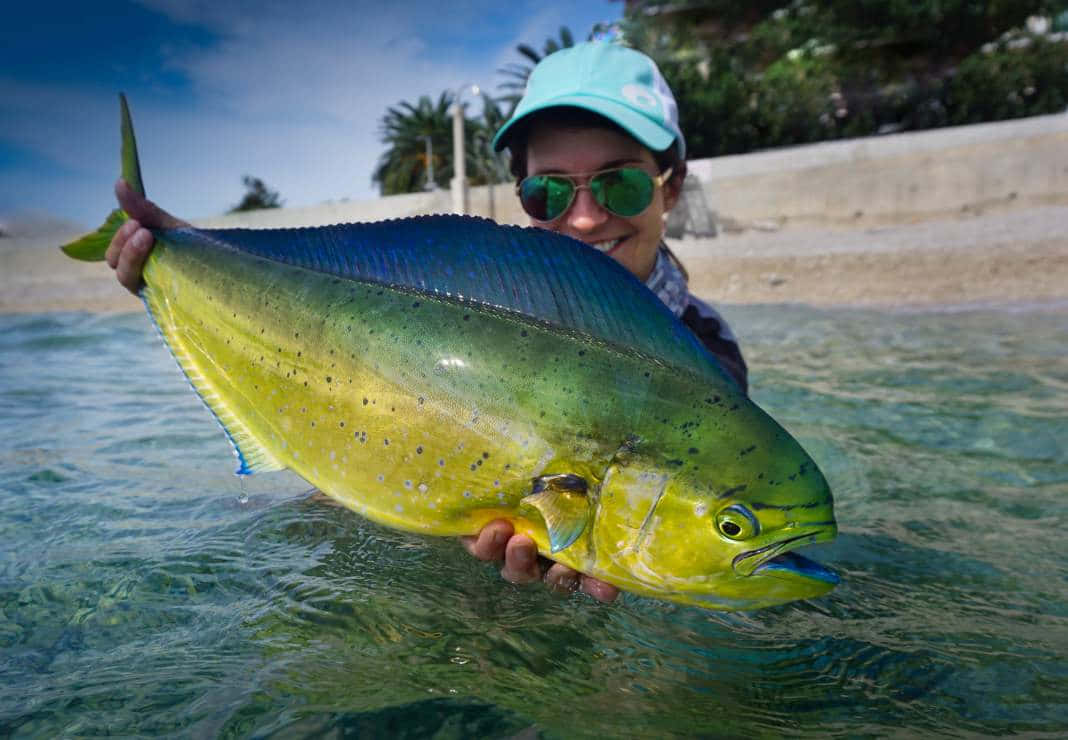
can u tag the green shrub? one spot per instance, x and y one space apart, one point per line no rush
1010 82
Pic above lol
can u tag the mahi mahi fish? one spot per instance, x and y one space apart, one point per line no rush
436 373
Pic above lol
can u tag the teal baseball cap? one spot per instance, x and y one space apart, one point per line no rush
611 80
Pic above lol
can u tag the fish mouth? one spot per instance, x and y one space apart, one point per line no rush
778 560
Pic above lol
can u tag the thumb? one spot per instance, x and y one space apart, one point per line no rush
141 209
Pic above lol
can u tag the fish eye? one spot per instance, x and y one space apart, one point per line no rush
737 523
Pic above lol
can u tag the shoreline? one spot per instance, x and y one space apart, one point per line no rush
1002 258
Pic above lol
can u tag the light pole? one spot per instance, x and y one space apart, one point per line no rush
459 165
430 184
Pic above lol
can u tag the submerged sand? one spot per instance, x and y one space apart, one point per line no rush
1008 256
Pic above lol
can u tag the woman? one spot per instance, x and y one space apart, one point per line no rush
598 156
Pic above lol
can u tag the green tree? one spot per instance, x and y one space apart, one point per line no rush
774 72
403 168
257 196
404 129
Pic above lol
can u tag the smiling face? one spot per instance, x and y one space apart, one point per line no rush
556 148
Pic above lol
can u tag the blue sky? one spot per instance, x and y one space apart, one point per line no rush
289 92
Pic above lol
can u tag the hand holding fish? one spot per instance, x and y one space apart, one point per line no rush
498 541
133 241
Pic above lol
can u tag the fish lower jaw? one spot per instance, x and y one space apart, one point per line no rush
780 556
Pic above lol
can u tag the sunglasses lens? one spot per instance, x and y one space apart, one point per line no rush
545 197
626 192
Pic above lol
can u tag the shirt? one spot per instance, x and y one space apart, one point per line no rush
669 283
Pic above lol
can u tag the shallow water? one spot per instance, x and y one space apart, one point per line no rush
145 590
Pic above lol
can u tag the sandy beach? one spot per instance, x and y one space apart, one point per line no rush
1002 256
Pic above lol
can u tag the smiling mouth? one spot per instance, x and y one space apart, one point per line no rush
607 247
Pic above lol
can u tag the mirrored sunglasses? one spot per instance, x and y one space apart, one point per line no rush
624 191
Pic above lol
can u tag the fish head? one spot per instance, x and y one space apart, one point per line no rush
716 529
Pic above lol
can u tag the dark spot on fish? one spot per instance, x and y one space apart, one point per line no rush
734 407
441 462
582 352
523 333
386 441
303 409
732 491
296 335
647 373
415 304
472 466
793 477
693 450
313 423
712 400
365 402
747 450
420 400
467 317
298 353
478 462
675 463
305 384
392 409
419 450
341 424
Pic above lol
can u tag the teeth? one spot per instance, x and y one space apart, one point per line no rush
605 246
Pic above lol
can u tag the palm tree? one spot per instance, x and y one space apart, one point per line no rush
403 167
404 128
519 72
486 165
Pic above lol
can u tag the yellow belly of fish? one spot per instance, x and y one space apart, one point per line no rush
401 451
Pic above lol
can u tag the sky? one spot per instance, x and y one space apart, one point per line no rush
289 92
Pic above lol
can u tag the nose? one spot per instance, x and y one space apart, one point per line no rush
585 214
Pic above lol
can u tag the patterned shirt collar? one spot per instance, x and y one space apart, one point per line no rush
669 283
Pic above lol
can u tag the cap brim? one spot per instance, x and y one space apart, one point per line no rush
649 133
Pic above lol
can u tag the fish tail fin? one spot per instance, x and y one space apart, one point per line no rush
91 247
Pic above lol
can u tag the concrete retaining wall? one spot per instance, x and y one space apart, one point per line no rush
900 177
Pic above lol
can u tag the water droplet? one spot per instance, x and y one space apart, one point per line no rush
242 497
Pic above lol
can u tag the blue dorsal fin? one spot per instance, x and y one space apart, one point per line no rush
537 273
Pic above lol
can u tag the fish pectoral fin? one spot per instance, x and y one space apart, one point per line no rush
564 506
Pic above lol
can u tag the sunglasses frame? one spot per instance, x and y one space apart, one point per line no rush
587 177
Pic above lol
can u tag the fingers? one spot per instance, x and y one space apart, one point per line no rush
130 256
603 592
491 542
561 578
119 241
521 560
498 541
129 248
139 208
